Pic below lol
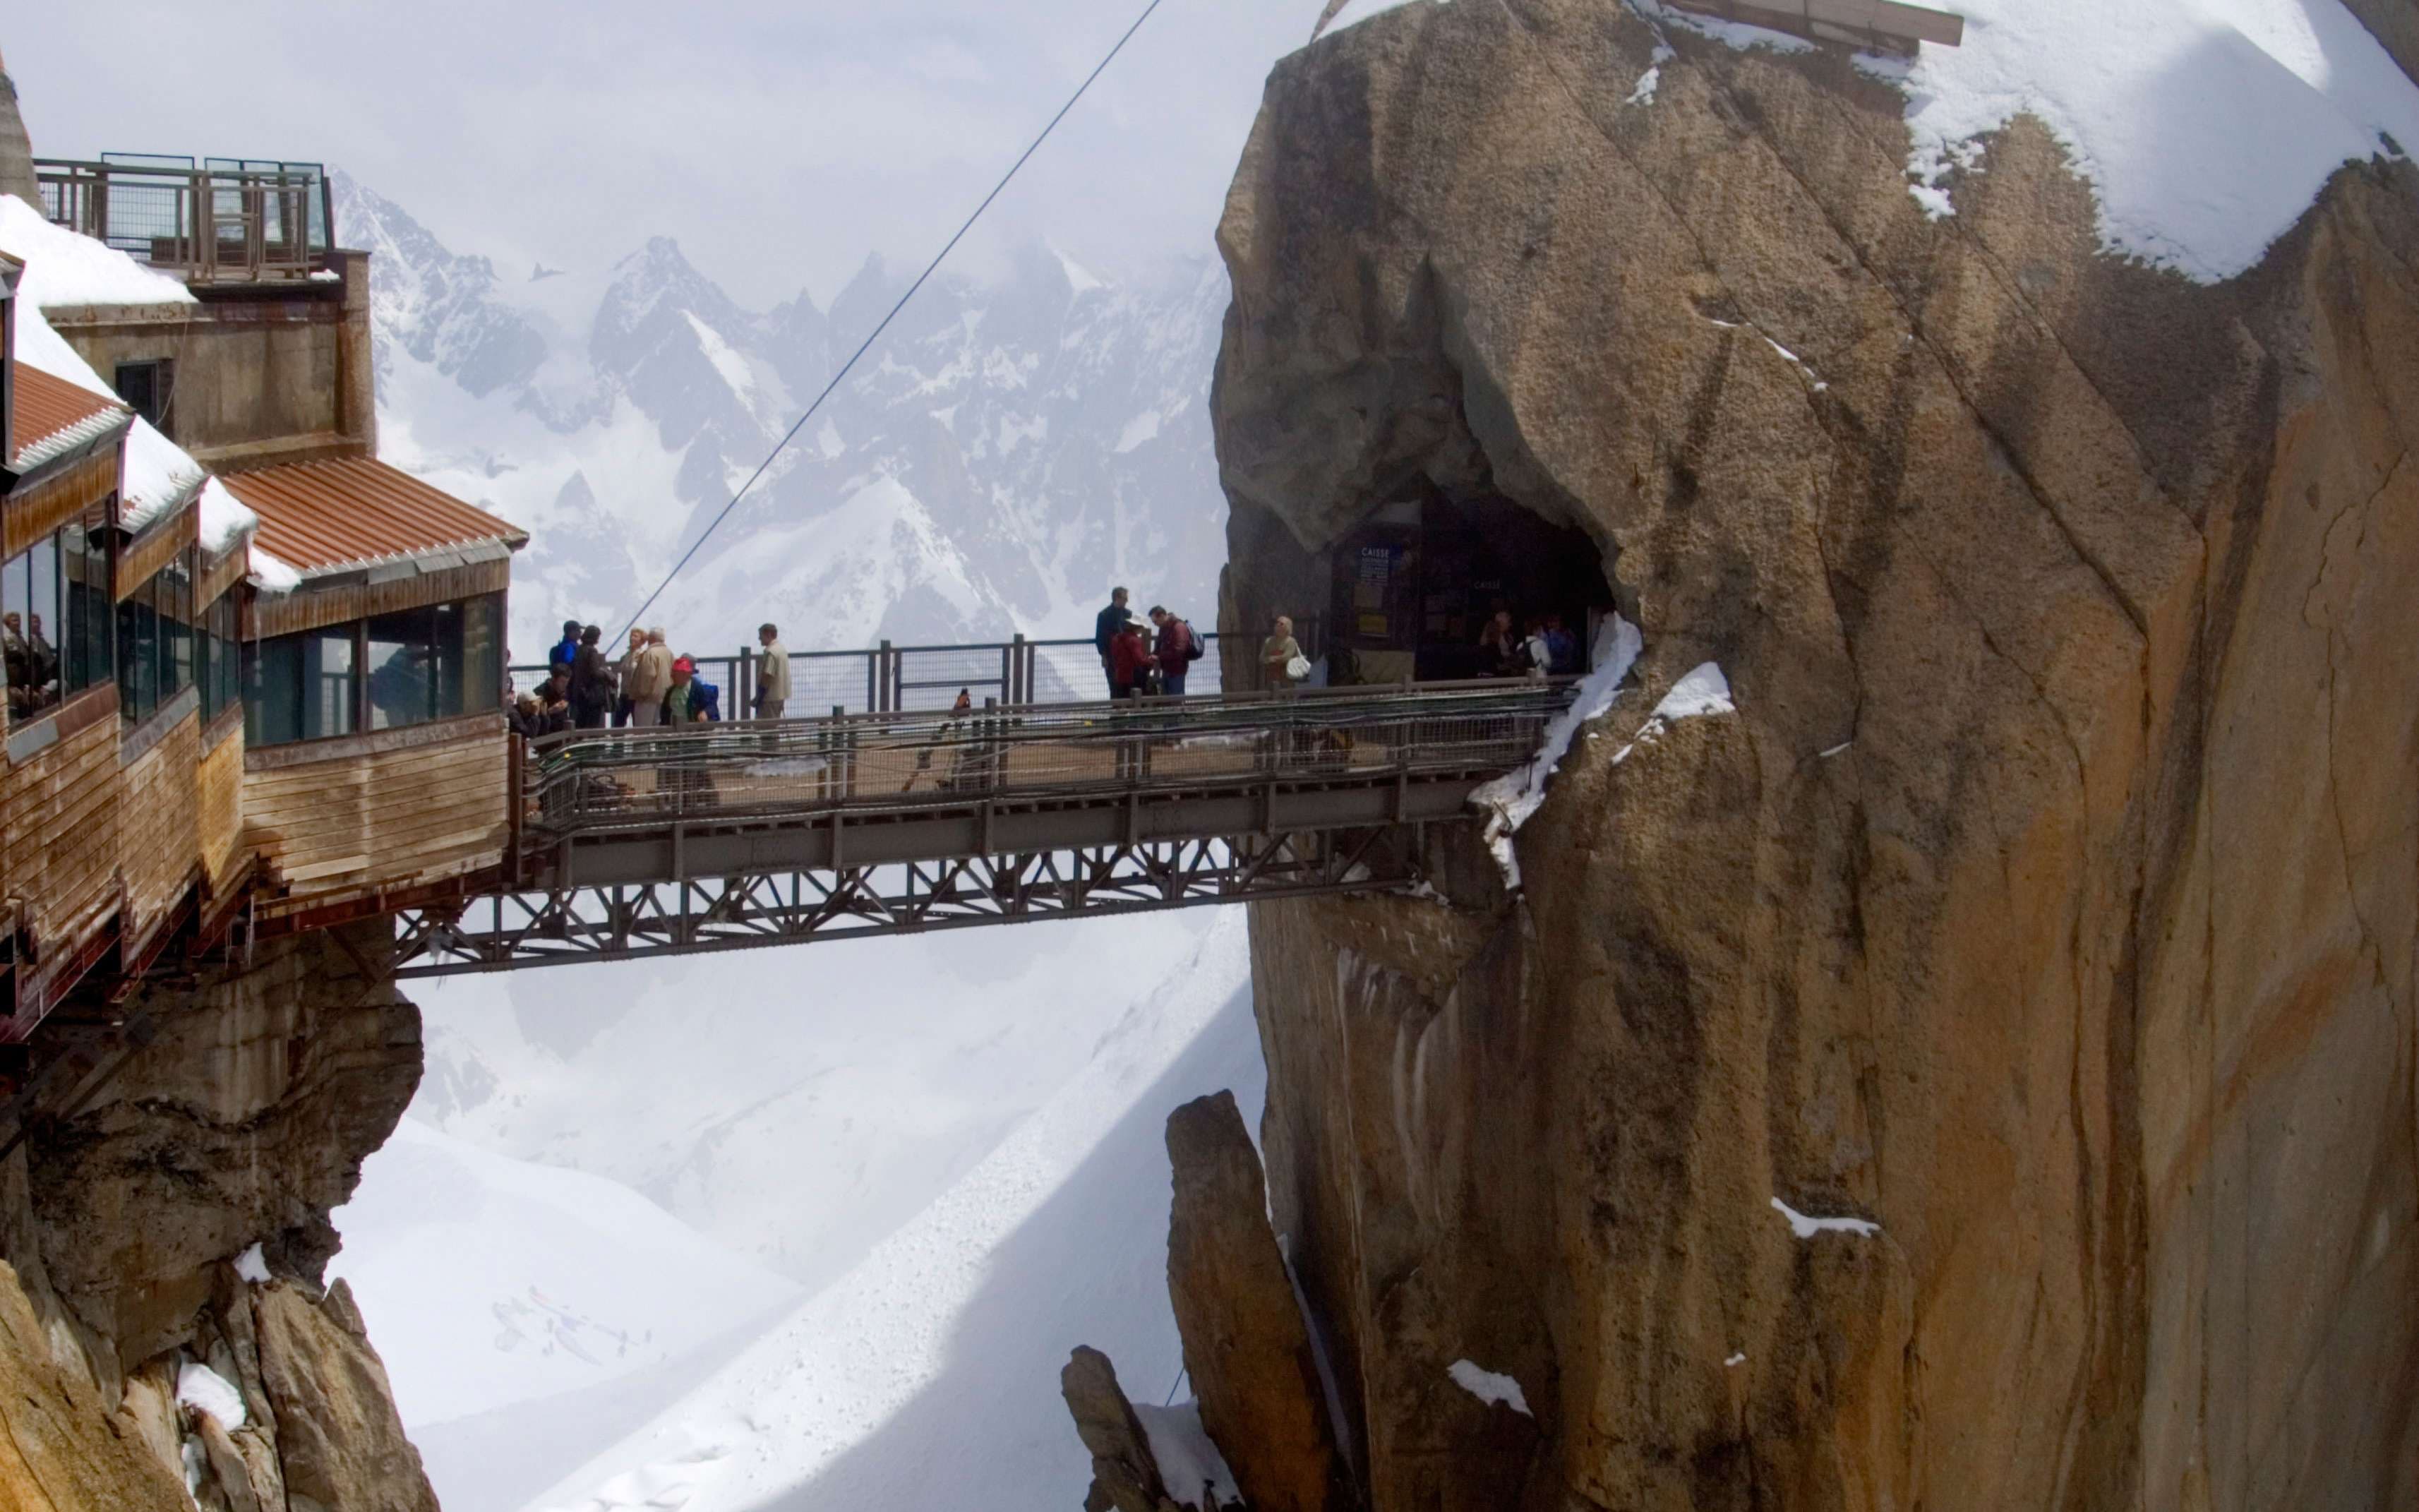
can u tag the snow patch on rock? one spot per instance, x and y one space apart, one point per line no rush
1190 1465
1806 1227
1489 1386
205 1390
1510 800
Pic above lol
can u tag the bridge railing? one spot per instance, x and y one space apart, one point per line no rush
889 678
585 779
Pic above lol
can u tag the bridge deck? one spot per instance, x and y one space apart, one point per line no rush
649 841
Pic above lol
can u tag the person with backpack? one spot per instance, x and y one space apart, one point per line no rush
591 682
566 650
1176 648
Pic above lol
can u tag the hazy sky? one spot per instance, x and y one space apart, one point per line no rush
778 142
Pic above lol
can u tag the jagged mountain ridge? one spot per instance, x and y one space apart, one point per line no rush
1002 455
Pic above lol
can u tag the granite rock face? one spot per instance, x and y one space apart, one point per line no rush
2045 910
1250 1356
1125 1472
239 1117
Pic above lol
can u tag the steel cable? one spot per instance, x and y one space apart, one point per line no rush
931 267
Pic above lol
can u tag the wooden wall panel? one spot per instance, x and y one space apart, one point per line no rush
308 608
156 547
59 813
35 510
219 805
223 572
380 820
162 844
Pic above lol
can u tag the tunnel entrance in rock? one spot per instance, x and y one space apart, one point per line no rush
1413 590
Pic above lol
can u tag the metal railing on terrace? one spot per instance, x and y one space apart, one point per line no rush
207 220
888 678
581 780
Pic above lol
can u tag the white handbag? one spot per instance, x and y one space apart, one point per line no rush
1298 669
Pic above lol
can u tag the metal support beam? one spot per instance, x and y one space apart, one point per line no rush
568 925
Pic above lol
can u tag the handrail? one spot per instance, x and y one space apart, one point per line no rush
891 760
216 221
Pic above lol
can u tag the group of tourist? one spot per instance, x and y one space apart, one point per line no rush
1142 663
1543 648
645 687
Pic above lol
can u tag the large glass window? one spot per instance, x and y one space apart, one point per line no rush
29 587
83 572
299 687
414 665
215 656
138 654
155 640
402 667
176 600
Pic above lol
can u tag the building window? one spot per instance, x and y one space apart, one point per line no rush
155 640
50 638
384 673
299 687
147 388
84 584
436 662
219 664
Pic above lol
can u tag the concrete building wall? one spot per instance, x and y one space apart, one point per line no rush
263 373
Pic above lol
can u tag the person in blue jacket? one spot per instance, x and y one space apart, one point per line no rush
691 699
1105 628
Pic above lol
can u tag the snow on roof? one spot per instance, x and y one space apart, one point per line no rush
225 520
65 267
2205 127
155 479
270 575
50 417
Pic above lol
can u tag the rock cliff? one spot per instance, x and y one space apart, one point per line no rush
163 1224
1978 1069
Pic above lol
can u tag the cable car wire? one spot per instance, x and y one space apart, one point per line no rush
783 444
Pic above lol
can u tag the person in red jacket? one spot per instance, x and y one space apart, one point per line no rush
1176 649
1130 662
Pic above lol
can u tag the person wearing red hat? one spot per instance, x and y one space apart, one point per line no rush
691 699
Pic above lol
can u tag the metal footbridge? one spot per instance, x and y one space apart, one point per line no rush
638 842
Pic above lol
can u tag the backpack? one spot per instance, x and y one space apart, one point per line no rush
1191 642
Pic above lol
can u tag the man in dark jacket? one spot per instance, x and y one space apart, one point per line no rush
591 682
1104 632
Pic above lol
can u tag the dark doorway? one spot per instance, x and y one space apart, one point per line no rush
1416 585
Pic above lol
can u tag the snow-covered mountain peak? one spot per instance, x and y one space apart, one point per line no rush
1006 450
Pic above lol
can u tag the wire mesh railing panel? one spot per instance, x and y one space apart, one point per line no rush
822 681
910 759
929 678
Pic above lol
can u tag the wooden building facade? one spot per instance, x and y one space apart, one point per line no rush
274 691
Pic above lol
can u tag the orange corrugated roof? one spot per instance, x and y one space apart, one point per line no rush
350 511
48 414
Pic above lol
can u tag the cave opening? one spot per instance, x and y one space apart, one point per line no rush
1412 589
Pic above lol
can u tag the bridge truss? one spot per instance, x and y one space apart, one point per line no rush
645 843
565 925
